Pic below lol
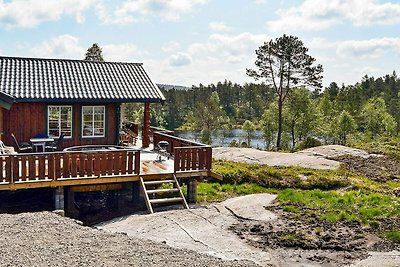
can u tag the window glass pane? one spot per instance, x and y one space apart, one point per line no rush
93 121
59 120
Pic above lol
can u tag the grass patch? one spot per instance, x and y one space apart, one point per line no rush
382 145
211 192
290 177
363 207
393 236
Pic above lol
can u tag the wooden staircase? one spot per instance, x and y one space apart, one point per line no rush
157 196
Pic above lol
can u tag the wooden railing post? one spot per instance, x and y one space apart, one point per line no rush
137 162
208 158
146 126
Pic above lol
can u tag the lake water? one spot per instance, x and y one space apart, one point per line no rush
220 140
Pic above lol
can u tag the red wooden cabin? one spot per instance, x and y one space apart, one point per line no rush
79 98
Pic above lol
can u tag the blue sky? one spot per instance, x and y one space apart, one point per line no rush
187 42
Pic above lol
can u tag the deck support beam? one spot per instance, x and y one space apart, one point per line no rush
146 126
59 198
138 195
70 209
191 190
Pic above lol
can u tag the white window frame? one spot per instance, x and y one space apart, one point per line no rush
93 132
59 120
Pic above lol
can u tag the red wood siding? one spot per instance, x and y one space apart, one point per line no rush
28 119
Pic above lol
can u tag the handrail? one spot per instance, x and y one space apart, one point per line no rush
178 139
68 165
188 155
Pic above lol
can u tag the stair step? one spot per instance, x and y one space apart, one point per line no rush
158 182
166 200
166 190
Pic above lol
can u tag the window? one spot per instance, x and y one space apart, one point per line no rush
59 120
93 121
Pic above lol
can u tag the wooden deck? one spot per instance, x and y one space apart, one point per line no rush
57 169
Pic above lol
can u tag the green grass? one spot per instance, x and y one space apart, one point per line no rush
382 145
366 208
212 192
292 177
393 235
311 194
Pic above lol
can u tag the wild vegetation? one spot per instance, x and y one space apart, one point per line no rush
319 196
367 111
363 194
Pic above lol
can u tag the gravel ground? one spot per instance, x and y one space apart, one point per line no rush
47 239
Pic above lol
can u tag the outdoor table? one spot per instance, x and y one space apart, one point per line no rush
40 141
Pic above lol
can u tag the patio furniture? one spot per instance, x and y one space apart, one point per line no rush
55 145
161 150
6 150
24 147
40 142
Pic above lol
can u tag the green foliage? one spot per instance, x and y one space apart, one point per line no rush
249 128
393 236
269 125
94 53
209 116
206 136
210 192
309 142
300 115
286 177
363 207
284 64
376 118
343 126
133 112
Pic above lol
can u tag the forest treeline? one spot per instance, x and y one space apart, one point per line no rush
336 114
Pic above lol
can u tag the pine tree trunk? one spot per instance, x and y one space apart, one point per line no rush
280 107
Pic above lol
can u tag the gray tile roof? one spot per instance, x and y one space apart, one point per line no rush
59 80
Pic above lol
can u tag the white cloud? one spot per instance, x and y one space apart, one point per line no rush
223 45
30 13
180 59
221 56
313 15
63 46
321 43
123 53
68 46
218 26
137 10
372 48
171 46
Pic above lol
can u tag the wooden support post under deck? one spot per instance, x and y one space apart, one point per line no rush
137 195
70 209
191 191
146 126
59 198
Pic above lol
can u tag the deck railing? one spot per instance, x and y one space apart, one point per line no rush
188 155
68 165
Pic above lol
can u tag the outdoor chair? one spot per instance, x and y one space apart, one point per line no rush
56 145
6 150
162 150
24 147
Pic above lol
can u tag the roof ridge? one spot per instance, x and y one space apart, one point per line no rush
70 60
